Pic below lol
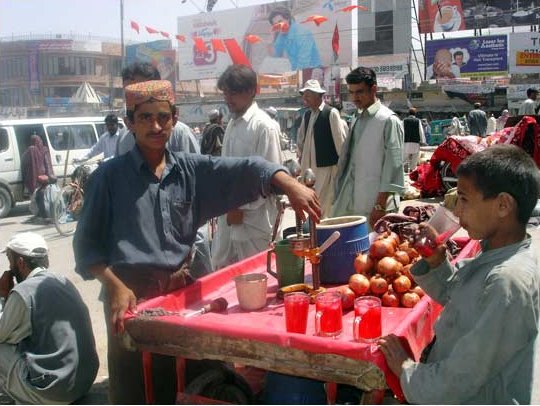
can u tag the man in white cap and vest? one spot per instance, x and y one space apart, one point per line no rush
47 349
320 137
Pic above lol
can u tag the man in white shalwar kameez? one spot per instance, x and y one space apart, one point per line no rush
247 230
320 138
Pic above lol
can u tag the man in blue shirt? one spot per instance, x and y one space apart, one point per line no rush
150 203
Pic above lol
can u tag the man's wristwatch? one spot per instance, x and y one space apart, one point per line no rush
378 207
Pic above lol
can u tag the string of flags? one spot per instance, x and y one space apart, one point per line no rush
219 45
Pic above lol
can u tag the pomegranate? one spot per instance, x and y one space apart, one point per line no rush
409 299
419 291
347 297
390 299
407 271
401 284
389 266
363 264
359 284
381 248
378 285
402 257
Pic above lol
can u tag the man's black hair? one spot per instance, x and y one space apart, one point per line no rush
143 69
111 118
282 11
238 78
531 90
505 168
361 75
130 114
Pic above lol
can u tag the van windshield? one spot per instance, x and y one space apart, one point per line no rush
64 137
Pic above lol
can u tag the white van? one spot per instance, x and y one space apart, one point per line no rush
66 138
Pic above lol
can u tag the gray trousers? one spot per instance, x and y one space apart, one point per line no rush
13 377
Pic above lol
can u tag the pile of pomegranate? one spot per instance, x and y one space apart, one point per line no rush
384 271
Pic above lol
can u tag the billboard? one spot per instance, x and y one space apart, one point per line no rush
384 28
158 53
272 38
524 52
467 57
456 15
393 65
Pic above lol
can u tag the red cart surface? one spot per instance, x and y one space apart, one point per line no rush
259 338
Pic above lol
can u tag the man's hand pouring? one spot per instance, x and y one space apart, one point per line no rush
302 199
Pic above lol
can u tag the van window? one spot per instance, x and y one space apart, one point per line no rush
4 141
76 136
100 127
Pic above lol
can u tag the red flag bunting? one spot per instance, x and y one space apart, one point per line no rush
164 34
180 38
317 19
351 8
135 26
236 53
217 44
199 44
253 39
335 42
151 30
282 26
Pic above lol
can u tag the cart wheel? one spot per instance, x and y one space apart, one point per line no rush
221 384
448 177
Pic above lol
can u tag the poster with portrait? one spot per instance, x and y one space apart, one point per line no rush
467 57
456 15
272 38
159 54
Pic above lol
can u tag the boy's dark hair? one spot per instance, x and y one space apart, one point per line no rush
142 69
238 78
531 90
361 75
458 53
130 114
280 10
505 168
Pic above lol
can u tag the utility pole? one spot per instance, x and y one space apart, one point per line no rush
122 31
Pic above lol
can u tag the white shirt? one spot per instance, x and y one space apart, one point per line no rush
325 176
491 125
253 134
106 145
527 108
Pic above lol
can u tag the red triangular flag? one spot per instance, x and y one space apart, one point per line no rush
350 8
238 56
164 34
253 39
335 42
317 19
135 26
151 30
282 26
180 38
200 46
217 44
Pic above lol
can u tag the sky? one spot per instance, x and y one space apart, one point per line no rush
100 18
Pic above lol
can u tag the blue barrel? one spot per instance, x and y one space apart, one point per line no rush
337 263
280 389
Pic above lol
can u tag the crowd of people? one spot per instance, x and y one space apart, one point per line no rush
156 196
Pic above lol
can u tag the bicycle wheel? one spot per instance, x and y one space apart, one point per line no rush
449 180
64 219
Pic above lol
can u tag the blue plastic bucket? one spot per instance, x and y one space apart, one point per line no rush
337 263
280 389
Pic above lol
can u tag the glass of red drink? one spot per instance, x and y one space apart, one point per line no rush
328 322
296 312
437 230
367 319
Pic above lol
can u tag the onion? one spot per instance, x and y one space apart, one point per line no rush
381 248
409 299
359 284
378 285
389 266
363 264
402 257
401 284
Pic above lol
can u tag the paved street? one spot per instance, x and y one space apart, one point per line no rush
61 261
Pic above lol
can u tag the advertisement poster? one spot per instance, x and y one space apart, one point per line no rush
158 53
273 38
524 52
455 15
466 57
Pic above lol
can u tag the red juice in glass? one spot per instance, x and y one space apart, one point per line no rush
296 312
367 324
328 316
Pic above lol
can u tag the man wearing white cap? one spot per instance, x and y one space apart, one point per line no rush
47 348
320 137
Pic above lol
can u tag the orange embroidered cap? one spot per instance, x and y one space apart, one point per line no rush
151 90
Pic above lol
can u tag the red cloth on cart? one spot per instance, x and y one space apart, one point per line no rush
268 324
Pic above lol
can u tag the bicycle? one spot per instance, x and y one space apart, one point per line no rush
69 202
